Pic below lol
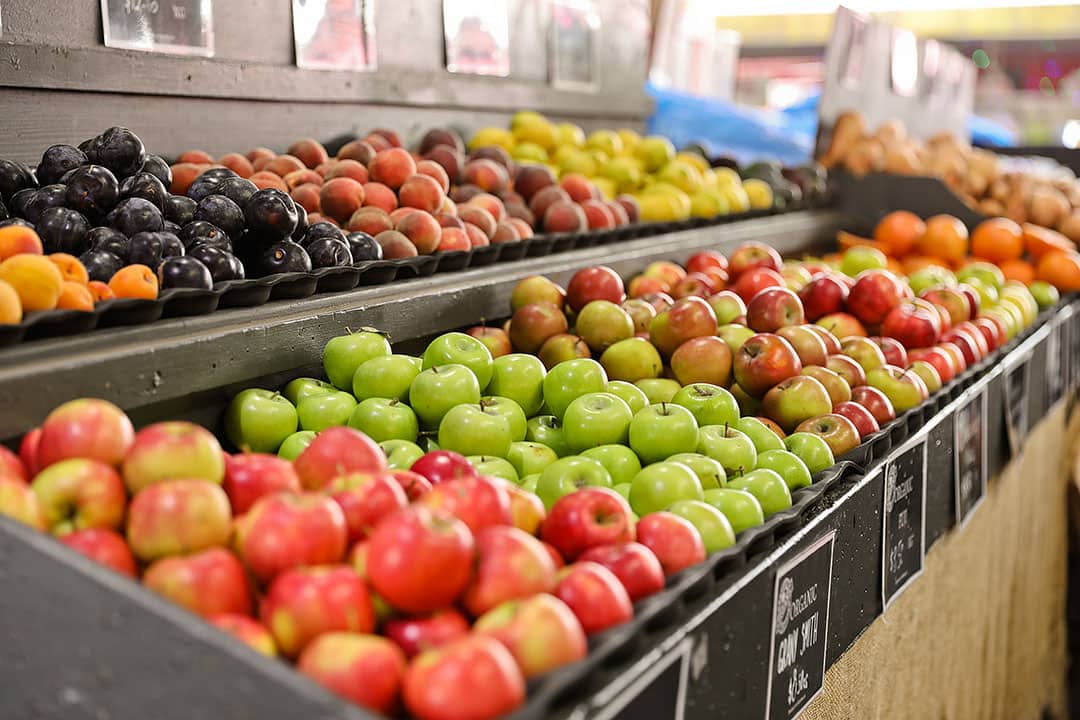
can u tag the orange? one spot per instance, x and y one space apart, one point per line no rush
997 240
911 263
10 305
1039 240
1020 270
100 291
75 296
894 266
945 238
900 230
36 280
849 240
70 268
19 239
135 281
1060 269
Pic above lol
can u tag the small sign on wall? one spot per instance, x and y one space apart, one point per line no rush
477 36
334 34
173 27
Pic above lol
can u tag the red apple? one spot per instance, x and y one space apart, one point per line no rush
585 518
536 289
479 502
704 260
873 295
911 326
991 332
594 283
665 271
28 448
18 502
661 301
288 530
496 340
687 319
533 324
303 603
808 344
248 631
337 451
851 371
876 402
176 517
474 677
842 325
832 342
173 451
753 281
595 595
643 285
958 357
511 565
773 308
825 294
365 499
837 387
87 428
894 352
366 670
694 284
837 431
704 359
763 361
939 358
106 547
634 564
970 341
541 632
207 583
414 484
250 476
414 635
750 255
80 494
12 466
859 416
527 510
973 298
952 300
674 541
440 466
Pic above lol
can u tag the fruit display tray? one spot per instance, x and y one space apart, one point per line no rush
864 201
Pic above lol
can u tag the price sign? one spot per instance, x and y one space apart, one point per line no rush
334 36
1017 379
175 27
575 44
903 521
800 630
969 457
660 692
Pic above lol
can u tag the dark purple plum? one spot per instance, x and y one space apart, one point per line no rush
239 273
19 200
157 167
282 257
203 187
14 176
63 230
58 160
223 212
328 252
4 214
105 238
271 213
145 249
180 209
218 174
197 229
170 245
92 190
146 186
118 149
363 247
217 261
218 241
172 227
47 197
184 272
16 221
237 189
322 230
301 223
136 215
100 264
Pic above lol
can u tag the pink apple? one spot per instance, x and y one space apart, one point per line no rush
207 583
303 603
106 547
442 465
846 367
873 295
825 294
511 565
991 332
585 518
365 499
174 517
541 632
750 255
247 630
694 284
875 401
473 677
595 595
417 634
86 428
288 530
773 308
952 300
28 448
250 476
80 494
674 541
337 451
894 352
173 451
763 361
414 484
634 564
705 260
860 417
479 502
366 670
753 281
18 501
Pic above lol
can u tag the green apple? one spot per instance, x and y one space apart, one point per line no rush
632 359
984 272
319 412
662 430
658 390
713 526
740 507
857 259
787 465
620 461
382 419
710 404
475 430
428 443
630 394
400 454
1045 294
624 490
759 433
811 449
492 466
929 374
436 390
658 485
295 444
567 474
386 376
343 354
519 377
529 458
928 277
729 447
596 419
529 482
457 348
709 471
572 379
547 430
300 388
734 335
510 410
768 487
259 420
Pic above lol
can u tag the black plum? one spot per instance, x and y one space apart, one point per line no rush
180 209
284 256
14 176
218 174
328 252
172 227
19 200
184 272
219 241
146 186
223 212
322 230
196 229
136 215
100 264
64 230
157 167
92 190
118 149
301 223
217 261
239 273
47 197
4 214
271 213
363 247
58 160
105 238
145 248
237 189
170 245
16 221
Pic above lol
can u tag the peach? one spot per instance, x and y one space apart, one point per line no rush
434 170
183 174
378 142
490 203
198 157
237 163
440 136
505 232
533 178
598 215
422 229
450 159
380 196
303 177
10 305
477 237
422 192
454 239
36 280
487 175
390 136
618 212
565 217
579 187
309 151
521 212
264 180
371 220
545 198
449 207
524 229
19 240
325 167
260 163
392 167
401 212
341 197
478 216
509 197
395 245
450 221
494 153
631 206
357 150
307 196
284 164
260 153
319 217
464 193
350 169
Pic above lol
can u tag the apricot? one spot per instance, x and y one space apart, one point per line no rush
492 204
997 240
565 217
357 150
19 240
74 296
478 216
436 171
449 207
395 245
450 159
485 174
422 192
134 281
198 157
70 268
238 164
303 177
310 152
36 279
523 228
371 220
325 167
477 237
545 198
284 164
307 196
422 229
10 305
265 180
260 153
100 291
380 196
349 169
505 232
392 167
1059 268
183 174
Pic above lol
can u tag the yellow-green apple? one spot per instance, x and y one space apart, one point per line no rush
876 402
562 347
641 313
530 457
709 472
479 501
754 280
174 517
832 343
740 507
400 454
658 390
510 565
857 259
594 283
207 583
667 272
904 388
635 565
602 323
478 429
526 508
928 373
534 323
763 361
863 420
367 670
873 295
734 335
952 300
730 447
931 276
496 340
848 369
661 430
795 275
825 294
250 476
864 351
384 376
305 602
747 405
80 494
343 354
595 596
572 379
521 378
768 487
541 632
547 430
837 387
631 360
365 499
287 530
439 466
659 485
807 343
420 559
620 461
787 465
702 360
248 631
417 634
710 404
773 308
595 419
457 348
336 451
837 431
631 394
472 677
19 502
535 289
842 325
295 444
762 431
749 255
587 517
715 530
794 400
674 540
687 319
170 451
85 428
258 420
106 547
727 306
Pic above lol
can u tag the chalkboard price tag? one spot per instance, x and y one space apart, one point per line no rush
660 692
969 471
903 520
173 27
1017 379
800 630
